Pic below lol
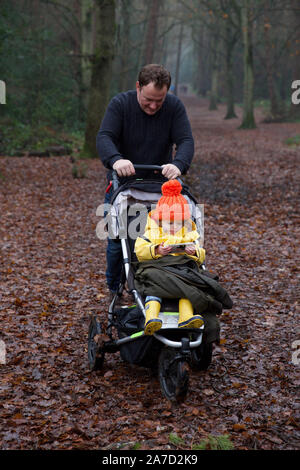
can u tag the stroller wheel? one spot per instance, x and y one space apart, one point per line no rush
173 375
202 356
95 353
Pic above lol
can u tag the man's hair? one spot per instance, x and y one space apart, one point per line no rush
154 73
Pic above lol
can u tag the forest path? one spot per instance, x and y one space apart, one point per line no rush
52 270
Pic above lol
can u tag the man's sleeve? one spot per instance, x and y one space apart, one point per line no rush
108 137
183 138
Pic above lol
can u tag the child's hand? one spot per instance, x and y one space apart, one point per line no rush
190 249
162 249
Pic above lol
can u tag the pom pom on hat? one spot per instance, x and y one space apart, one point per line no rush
172 205
171 188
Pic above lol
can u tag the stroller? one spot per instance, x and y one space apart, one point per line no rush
171 350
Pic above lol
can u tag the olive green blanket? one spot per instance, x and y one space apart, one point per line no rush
181 277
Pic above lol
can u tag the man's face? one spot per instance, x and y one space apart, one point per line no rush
151 98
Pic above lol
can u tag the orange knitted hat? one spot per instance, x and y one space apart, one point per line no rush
172 205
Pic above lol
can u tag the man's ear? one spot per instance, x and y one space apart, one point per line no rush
137 85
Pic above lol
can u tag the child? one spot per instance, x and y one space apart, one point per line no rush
169 224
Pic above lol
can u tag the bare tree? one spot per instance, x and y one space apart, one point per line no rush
86 44
150 38
125 43
215 66
178 59
101 71
248 121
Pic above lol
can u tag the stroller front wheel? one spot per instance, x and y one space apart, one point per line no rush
95 353
173 375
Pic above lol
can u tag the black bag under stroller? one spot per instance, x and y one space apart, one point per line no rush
171 349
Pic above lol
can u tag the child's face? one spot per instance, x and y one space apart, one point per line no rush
171 226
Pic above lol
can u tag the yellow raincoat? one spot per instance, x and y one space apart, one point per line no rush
154 236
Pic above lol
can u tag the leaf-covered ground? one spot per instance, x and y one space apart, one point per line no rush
52 276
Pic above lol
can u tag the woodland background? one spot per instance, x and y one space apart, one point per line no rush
233 63
62 61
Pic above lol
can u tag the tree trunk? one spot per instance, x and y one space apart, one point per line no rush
230 43
269 69
248 109
200 79
162 39
151 32
178 60
125 52
214 74
101 72
277 107
86 48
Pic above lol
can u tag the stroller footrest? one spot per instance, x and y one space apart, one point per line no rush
169 319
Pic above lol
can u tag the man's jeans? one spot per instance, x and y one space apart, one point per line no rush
114 258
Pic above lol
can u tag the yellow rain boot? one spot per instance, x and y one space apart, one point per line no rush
152 322
187 319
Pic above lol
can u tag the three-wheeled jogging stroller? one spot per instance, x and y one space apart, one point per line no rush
171 349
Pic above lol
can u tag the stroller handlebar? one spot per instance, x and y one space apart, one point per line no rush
147 167
115 178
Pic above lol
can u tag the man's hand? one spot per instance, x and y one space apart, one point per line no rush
171 171
124 168
162 250
190 250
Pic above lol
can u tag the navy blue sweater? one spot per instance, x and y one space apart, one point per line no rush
128 132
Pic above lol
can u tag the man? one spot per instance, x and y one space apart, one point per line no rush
140 127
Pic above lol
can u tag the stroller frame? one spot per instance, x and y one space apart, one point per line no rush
176 348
